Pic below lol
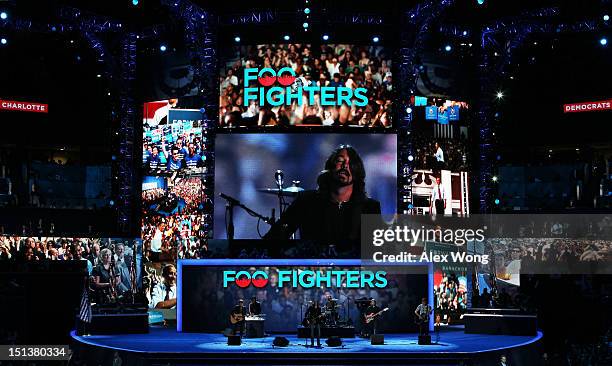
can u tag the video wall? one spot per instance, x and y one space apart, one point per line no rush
300 84
209 292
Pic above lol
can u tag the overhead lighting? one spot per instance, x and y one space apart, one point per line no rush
3 41
325 37
286 37
375 39
3 15
237 39
448 48
603 41
605 17
305 25
500 95
306 10
134 2
163 48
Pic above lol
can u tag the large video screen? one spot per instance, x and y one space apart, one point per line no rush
210 292
298 84
246 168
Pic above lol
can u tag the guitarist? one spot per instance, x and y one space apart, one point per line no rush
237 317
422 313
312 319
370 328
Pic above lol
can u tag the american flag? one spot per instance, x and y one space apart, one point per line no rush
85 307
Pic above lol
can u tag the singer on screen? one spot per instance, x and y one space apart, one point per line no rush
332 213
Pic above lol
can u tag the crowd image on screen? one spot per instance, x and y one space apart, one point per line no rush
124 254
172 148
453 156
338 65
450 297
173 220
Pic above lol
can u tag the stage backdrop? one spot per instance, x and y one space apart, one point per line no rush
247 162
208 290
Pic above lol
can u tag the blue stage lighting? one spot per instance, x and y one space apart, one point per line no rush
202 110
305 25
497 201
134 2
236 39
306 10
3 15
325 37
605 17
603 41
3 41
448 48
163 48
286 37
375 39
480 2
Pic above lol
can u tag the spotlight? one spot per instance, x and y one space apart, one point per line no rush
202 110
465 33
375 39
500 95
325 37
605 17
236 39
494 178
3 41
480 2
408 110
163 48
3 15
135 2
603 41
306 10
497 201
410 158
286 37
305 25
99 75
448 48
111 202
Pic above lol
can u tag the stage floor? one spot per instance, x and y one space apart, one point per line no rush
452 342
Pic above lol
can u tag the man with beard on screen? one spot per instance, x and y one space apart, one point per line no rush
332 213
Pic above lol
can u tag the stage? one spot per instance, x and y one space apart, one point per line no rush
168 346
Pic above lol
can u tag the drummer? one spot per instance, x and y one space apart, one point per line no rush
331 310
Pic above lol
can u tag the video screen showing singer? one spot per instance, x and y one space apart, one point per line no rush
331 213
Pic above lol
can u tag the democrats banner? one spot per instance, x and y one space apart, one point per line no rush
453 113
431 113
443 117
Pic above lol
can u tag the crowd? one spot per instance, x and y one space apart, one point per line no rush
450 297
174 150
173 222
329 66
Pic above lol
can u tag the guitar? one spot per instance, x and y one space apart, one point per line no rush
370 317
236 318
306 322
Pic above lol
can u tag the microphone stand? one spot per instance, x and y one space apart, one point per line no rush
229 207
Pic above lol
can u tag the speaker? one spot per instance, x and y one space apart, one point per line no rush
424 339
280 342
234 340
377 339
334 341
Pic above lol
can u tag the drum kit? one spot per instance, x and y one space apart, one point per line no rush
330 314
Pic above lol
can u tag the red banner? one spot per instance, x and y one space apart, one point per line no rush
11 105
587 106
